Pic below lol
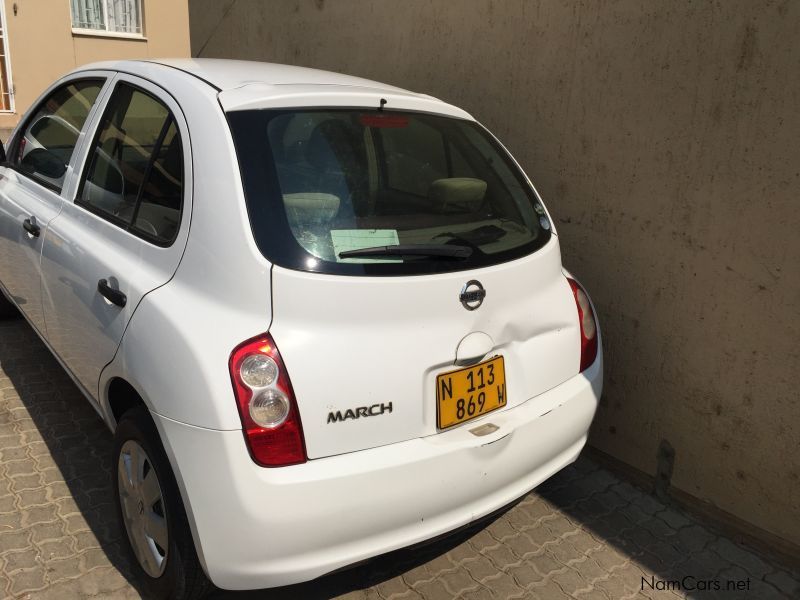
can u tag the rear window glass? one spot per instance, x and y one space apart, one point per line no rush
377 192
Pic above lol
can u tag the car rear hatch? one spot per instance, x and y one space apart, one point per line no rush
351 343
405 246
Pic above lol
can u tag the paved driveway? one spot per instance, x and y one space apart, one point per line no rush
584 534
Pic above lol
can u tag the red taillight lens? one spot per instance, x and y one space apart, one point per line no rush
267 405
588 325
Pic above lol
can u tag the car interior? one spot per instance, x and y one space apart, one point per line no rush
136 170
336 173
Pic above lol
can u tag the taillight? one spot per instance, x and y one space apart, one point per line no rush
267 405
588 325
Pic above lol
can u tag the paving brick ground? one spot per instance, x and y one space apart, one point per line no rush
584 534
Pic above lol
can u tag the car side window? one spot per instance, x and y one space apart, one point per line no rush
134 174
44 148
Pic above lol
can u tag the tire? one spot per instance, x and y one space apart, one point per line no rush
168 566
7 309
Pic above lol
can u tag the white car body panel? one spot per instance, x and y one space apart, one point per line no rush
320 319
371 485
227 74
209 307
20 252
267 527
83 327
257 96
20 199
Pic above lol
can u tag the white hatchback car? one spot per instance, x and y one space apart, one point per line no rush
326 318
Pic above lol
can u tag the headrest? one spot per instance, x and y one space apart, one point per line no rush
330 146
457 194
310 208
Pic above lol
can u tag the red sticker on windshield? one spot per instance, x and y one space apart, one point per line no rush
383 120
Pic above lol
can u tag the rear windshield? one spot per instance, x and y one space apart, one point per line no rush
382 193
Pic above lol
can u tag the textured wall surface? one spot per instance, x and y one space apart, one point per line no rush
664 139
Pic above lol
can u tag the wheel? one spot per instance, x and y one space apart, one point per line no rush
150 509
7 309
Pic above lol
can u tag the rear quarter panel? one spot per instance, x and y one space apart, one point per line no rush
176 348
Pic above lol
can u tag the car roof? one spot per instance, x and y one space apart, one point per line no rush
247 84
227 74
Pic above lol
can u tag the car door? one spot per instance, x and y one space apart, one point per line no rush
39 168
124 228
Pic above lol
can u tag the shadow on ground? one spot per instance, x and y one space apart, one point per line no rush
68 448
367 575
76 441
582 531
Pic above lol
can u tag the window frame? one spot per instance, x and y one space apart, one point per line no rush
87 153
105 31
24 125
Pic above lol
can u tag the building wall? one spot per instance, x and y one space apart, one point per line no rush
42 46
664 139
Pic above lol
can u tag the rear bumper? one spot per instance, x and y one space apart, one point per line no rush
257 527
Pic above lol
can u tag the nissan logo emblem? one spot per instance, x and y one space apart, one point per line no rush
472 294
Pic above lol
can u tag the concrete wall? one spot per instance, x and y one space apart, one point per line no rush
42 46
664 138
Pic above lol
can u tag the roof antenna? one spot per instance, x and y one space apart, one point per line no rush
383 103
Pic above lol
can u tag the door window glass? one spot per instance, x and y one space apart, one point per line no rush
134 175
45 147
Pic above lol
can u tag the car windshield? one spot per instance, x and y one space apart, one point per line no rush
366 191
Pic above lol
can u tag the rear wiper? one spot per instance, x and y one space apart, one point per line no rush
438 250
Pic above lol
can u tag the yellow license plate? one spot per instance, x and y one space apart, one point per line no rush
468 393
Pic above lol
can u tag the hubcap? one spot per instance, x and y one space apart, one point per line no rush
143 508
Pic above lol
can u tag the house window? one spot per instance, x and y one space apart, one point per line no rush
116 16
